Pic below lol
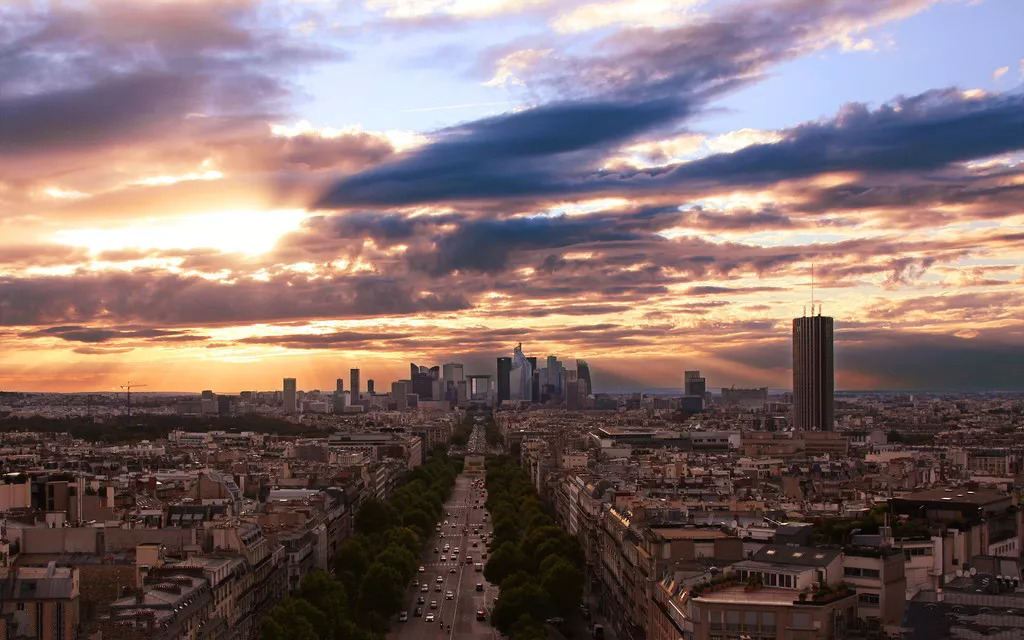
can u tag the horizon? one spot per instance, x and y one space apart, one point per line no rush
220 193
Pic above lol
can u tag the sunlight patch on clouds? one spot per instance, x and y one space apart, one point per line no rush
510 66
405 9
64 194
999 73
581 208
399 139
159 181
248 232
632 13
736 140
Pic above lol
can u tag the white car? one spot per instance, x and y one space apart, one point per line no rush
429 617
449 596
443 557
422 568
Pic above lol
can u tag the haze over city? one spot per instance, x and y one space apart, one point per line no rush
217 194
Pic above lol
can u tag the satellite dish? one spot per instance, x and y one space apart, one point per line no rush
973 571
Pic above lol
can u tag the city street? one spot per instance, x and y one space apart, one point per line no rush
461 610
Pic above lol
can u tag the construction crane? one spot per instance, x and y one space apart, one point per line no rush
128 387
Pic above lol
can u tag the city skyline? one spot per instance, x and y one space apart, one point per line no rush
219 194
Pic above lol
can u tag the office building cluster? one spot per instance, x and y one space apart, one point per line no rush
522 381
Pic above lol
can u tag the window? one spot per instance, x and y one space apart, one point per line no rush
21 606
801 621
715 617
858 572
868 598
750 621
732 620
768 622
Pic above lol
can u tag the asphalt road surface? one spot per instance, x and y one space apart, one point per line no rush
460 611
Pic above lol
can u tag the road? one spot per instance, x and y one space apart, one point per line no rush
461 610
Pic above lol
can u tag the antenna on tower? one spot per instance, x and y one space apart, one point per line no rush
813 301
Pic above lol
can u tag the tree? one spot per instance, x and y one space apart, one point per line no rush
328 596
529 600
375 517
351 563
400 559
506 560
292 619
403 537
420 521
382 590
563 583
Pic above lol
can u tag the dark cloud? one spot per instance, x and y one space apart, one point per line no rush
77 333
926 132
504 156
108 73
174 300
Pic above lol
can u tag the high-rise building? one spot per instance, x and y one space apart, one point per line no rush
369 386
694 384
503 385
453 372
353 383
339 385
535 386
813 373
289 395
398 394
583 374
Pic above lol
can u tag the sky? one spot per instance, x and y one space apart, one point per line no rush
216 194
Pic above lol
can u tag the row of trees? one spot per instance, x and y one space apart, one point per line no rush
538 566
492 433
372 568
463 430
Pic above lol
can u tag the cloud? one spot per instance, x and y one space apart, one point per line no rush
999 73
78 77
539 152
164 299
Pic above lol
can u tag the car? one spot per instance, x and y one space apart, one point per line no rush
430 617
439 579
422 568
418 612
479 586
475 544
419 600
403 617
478 567
469 559
456 550
452 570
437 588
481 614
435 550
443 558
424 588
449 595
483 555
433 604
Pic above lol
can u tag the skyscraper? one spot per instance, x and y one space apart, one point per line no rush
353 380
369 386
694 384
399 392
504 388
813 373
289 395
583 374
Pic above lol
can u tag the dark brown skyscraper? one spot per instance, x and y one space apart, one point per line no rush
813 375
